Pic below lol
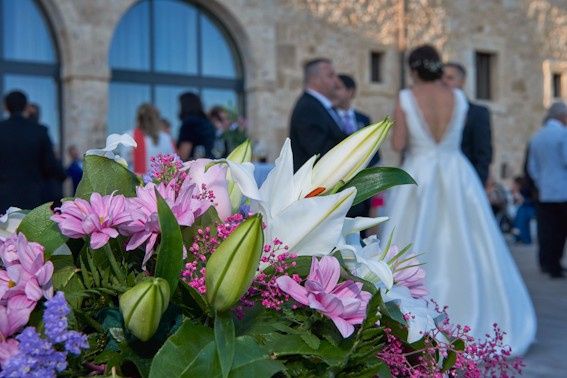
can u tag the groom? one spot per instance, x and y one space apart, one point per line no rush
477 140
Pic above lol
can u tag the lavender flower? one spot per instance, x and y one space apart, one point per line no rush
37 356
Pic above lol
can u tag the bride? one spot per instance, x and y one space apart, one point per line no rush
447 216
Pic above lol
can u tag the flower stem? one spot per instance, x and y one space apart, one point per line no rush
114 264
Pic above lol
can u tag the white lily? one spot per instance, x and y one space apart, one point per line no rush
422 318
241 154
368 262
349 157
309 226
10 221
112 143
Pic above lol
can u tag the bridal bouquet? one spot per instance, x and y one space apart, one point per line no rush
192 270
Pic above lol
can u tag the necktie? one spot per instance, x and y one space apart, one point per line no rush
348 125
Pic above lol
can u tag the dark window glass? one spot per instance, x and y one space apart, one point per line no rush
28 58
556 83
163 48
376 66
484 73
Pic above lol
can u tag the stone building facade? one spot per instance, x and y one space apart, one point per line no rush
526 41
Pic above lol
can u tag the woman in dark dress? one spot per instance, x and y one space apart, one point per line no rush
197 134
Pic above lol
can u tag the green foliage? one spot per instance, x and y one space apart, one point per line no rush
371 181
224 340
208 218
106 176
170 251
192 352
38 227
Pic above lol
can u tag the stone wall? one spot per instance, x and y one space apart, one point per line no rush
275 37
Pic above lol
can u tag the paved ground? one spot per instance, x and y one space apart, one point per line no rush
548 356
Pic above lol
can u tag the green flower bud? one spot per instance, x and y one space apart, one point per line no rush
231 269
143 305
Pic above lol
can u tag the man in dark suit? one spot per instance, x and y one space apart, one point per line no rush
352 121
315 126
26 157
477 139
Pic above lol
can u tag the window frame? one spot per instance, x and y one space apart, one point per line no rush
31 68
154 78
487 77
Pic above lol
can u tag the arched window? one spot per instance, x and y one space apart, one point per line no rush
28 59
162 48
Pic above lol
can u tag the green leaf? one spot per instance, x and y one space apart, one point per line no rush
179 356
105 176
62 276
224 340
251 361
371 181
310 339
289 345
170 252
188 294
61 261
38 227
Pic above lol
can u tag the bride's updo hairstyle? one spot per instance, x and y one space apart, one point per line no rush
426 63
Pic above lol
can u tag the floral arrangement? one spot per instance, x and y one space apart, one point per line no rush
194 270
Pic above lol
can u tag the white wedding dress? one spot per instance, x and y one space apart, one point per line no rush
448 219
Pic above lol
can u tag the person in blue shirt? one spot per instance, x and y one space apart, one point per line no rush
547 165
75 169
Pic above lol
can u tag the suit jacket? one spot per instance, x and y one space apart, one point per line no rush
477 140
312 130
26 160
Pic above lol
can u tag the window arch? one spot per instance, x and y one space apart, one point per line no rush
163 48
29 59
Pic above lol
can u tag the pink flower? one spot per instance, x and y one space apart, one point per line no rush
144 223
407 272
14 315
211 185
26 272
98 218
345 304
8 348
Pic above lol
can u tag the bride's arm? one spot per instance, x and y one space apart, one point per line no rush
399 137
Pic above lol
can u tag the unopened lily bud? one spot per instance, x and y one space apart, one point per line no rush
241 154
231 269
349 157
143 305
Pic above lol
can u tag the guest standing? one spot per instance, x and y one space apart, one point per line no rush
477 138
197 134
26 157
150 138
75 168
315 126
547 165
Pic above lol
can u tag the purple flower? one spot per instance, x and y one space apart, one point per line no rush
36 356
345 304
98 218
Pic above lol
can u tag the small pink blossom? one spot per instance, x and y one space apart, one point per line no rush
98 218
345 303
211 181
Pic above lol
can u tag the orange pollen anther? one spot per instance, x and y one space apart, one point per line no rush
11 284
315 192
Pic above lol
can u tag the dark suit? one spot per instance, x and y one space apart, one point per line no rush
26 160
312 130
477 140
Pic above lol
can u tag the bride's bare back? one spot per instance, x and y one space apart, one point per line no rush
436 103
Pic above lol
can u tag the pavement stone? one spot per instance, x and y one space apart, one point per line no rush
547 357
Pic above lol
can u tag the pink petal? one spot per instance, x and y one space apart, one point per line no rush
137 240
345 328
45 273
33 291
296 291
329 272
98 240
